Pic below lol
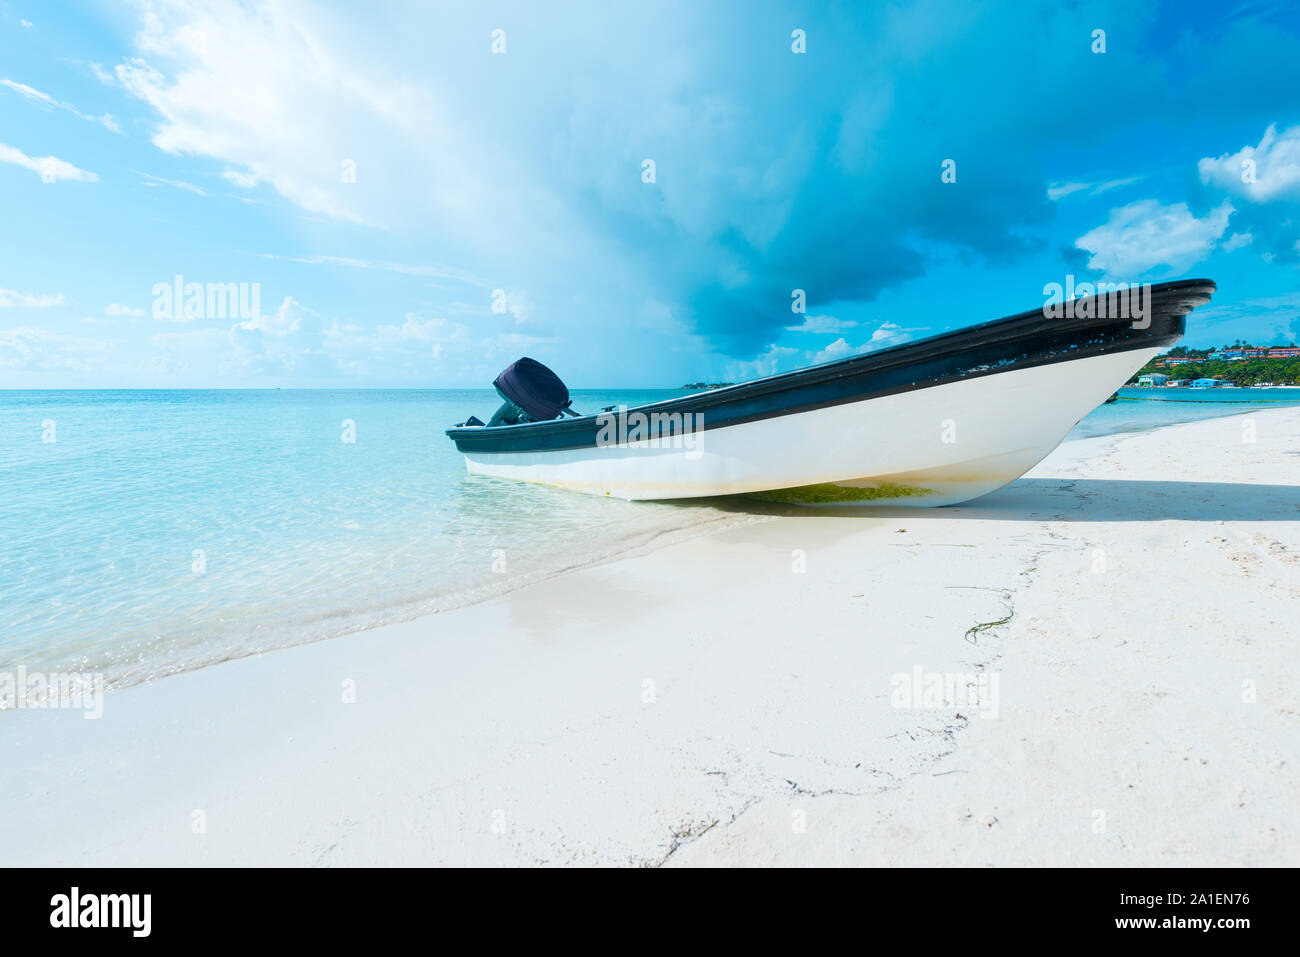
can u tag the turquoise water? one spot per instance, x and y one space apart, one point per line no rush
1283 395
161 531
1140 409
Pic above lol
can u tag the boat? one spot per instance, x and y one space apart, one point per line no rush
934 422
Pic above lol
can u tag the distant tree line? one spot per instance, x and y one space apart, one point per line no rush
1178 351
1242 372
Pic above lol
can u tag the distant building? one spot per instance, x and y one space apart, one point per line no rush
1245 352
1175 383
1206 383
1284 353
1176 360
1153 380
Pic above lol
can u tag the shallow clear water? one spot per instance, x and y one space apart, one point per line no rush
160 531
163 530
1141 409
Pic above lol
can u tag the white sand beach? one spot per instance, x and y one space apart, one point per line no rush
733 699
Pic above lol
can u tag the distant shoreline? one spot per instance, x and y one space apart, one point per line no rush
1225 394
1230 364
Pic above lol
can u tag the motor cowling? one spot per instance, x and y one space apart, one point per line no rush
532 393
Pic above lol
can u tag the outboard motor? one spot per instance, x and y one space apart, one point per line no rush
531 393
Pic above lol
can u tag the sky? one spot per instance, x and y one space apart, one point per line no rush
414 195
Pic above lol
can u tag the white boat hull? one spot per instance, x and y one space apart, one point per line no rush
931 446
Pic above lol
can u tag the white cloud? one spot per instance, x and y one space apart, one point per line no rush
286 342
151 180
836 350
282 95
765 364
47 102
49 168
31 94
822 324
415 329
293 341
188 351
263 89
1058 191
1146 234
31 349
10 299
26 24
195 339
117 309
286 320
518 305
1260 174
413 350
887 334
242 180
1236 241
428 270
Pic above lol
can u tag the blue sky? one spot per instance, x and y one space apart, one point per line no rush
417 209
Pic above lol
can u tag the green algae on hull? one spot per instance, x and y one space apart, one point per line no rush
829 492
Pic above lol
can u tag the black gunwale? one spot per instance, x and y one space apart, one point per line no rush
1020 341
